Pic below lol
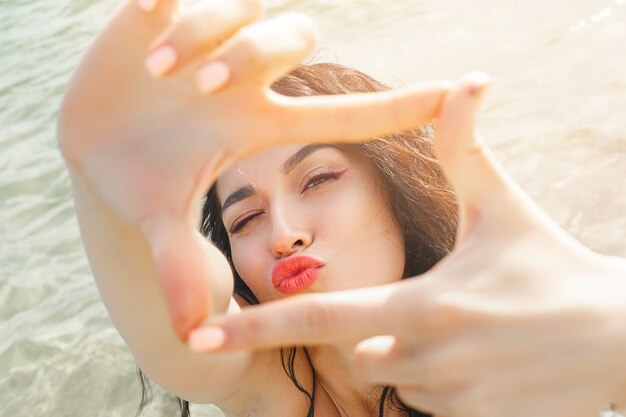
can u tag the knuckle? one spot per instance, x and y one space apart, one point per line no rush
317 318
184 35
245 46
304 27
246 332
185 26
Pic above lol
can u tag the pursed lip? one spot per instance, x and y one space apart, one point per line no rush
295 274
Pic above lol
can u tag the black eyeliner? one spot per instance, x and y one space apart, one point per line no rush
242 223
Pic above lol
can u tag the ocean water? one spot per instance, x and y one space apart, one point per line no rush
555 117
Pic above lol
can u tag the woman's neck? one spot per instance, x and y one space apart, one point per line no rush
340 391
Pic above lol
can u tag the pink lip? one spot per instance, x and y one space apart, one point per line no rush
295 274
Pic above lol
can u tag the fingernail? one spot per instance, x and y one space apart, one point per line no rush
477 82
206 339
161 60
212 77
147 5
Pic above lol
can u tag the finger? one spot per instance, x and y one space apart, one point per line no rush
199 31
259 53
139 21
117 55
310 319
186 266
357 117
482 187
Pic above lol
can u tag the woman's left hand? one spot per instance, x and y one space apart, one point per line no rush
519 320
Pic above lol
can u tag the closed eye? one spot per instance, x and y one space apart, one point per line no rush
240 225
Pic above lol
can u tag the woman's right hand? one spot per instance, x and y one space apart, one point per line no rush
164 100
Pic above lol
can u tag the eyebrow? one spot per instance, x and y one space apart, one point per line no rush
293 161
290 164
241 194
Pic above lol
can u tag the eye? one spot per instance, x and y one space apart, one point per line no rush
241 224
318 180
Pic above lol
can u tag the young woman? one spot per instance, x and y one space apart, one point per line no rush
142 152
144 144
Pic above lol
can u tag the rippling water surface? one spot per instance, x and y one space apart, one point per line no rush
555 116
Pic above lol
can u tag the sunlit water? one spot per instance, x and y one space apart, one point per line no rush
555 116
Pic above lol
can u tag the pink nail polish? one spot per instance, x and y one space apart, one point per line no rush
477 82
206 339
147 5
161 61
213 76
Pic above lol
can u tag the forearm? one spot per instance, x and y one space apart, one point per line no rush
123 267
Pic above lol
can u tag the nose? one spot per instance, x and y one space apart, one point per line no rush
289 233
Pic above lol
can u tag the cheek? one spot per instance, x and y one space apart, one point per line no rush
375 255
365 239
358 216
250 265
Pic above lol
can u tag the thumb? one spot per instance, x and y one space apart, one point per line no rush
181 260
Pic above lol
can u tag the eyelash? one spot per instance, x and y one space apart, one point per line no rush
238 226
313 183
325 176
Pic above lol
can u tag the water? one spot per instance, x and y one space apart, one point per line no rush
555 116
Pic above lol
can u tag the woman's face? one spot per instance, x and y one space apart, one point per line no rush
309 219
